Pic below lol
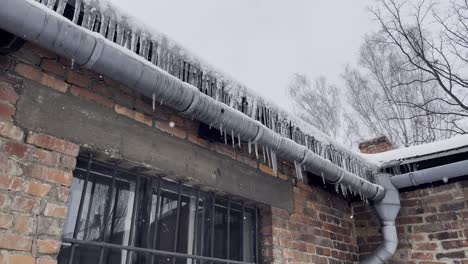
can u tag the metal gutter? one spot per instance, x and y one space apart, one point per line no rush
34 22
439 173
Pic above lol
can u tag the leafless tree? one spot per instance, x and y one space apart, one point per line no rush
316 102
382 94
432 40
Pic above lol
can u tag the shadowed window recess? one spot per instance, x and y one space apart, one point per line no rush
122 216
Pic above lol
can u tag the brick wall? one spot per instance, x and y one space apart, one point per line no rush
319 231
432 226
34 190
35 175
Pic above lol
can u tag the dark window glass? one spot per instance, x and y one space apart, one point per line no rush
114 213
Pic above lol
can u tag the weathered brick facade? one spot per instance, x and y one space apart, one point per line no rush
432 226
321 230
36 173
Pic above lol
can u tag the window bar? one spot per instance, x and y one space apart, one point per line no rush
202 239
195 224
242 231
212 225
107 214
179 204
134 215
156 217
228 226
83 194
72 253
111 232
90 206
256 236
149 194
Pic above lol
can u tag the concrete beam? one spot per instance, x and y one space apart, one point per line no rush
100 129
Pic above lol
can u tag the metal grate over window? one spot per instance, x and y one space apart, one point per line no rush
121 216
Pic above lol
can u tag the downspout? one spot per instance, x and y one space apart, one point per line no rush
387 210
34 22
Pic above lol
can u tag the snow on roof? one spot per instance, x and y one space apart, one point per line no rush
428 149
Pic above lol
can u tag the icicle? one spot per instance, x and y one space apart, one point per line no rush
61 6
154 102
268 156
51 4
225 137
86 17
120 35
264 154
104 25
233 139
72 63
256 150
250 147
111 31
323 177
337 188
161 102
298 171
274 162
76 15
221 128
239 140
133 45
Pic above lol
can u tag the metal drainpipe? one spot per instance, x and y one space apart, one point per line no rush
36 23
387 210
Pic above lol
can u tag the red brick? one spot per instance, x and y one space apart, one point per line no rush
37 189
455 244
48 246
6 221
53 143
46 260
8 94
53 66
426 246
49 174
56 211
15 242
68 162
20 259
15 149
63 193
8 166
24 204
78 79
140 117
9 130
266 169
225 150
24 224
422 255
43 78
84 93
7 111
12 183
166 127
47 157
5 63
4 200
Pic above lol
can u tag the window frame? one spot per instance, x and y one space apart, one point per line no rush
161 186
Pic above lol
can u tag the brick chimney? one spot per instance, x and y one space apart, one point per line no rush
375 145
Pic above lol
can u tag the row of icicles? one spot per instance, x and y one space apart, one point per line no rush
236 97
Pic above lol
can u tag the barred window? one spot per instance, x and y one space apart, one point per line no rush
121 216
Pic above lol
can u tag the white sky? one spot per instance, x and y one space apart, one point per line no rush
261 43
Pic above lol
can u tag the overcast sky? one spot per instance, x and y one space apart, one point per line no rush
262 43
